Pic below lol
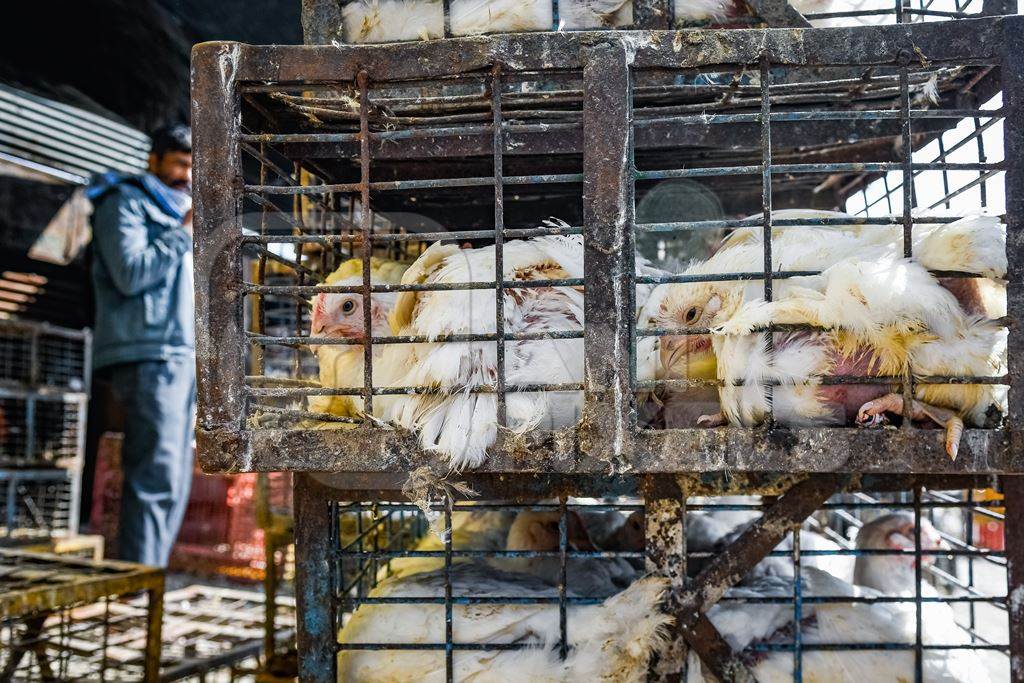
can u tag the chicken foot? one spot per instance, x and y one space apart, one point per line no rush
717 420
873 413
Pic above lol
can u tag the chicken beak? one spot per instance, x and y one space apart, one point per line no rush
681 356
670 347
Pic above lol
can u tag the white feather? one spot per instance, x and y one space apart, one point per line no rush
611 641
853 623
461 424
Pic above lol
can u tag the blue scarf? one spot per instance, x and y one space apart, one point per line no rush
174 203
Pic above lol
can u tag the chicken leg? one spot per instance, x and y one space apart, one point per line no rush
873 412
717 420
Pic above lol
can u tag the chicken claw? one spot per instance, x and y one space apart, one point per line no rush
873 413
716 420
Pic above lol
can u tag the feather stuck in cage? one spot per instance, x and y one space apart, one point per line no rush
857 623
883 313
341 315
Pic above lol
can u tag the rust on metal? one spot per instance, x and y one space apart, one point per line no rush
609 411
32 586
731 565
665 550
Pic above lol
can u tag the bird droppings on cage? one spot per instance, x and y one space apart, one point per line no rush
415 352
519 183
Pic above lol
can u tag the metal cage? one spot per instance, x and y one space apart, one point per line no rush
712 132
368 542
309 156
37 503
60 619
44 390
44 356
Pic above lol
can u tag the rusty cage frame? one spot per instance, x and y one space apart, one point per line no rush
370 463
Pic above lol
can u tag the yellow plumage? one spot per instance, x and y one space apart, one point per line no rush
382 271
342 365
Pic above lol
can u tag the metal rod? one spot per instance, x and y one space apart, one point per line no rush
367 244
766 206
499 248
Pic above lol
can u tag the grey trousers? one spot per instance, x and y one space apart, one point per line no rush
159 399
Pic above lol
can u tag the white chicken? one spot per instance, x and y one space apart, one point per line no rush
973 244
341 315
457 422
874 339
477 530
382 21
585 576
840 566
744 624
491 530
612 641
884 318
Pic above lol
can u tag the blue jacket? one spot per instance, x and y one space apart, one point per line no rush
142 276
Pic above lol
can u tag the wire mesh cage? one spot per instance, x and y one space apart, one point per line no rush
40 355
381 21
589 221
892 585
37 504
61 619
41 429
758 141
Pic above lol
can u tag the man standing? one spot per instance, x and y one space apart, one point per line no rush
144 338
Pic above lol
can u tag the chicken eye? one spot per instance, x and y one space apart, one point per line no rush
348 306
691 315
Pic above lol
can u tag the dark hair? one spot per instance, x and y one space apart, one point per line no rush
173 138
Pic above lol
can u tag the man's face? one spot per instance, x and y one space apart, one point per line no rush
174 169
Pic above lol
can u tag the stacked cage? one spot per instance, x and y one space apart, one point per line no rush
650 521
67 619
44 385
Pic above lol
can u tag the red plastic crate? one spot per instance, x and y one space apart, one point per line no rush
219 534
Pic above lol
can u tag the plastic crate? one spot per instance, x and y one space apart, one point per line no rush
219 535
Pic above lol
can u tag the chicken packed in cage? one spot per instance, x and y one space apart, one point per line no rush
747 309
386 21
556 591
638 257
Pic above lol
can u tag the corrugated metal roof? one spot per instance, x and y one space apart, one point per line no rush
72 142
